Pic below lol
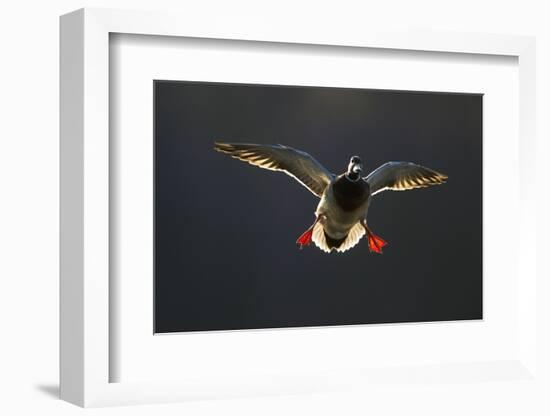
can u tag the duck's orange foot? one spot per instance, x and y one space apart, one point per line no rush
376 243
305 238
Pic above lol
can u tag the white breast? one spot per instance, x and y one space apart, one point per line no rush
336 222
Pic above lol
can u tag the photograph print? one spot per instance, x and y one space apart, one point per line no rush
300 206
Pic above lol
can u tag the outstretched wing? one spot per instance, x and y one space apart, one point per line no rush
402 176
300 165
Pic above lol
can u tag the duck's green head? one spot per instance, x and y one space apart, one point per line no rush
355 168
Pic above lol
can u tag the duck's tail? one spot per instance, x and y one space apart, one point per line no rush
327 244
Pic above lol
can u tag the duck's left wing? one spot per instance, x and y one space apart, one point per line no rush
296 163
402 176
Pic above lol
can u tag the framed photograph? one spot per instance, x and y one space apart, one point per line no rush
225 255
263 212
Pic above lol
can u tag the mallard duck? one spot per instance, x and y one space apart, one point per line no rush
341 215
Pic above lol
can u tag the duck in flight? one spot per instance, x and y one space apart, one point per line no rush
341 215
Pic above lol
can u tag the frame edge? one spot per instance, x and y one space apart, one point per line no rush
71 221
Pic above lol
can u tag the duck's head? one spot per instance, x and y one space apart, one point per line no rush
355 169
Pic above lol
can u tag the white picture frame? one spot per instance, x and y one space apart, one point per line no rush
85 221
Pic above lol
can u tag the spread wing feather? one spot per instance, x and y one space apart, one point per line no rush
402 176
296 163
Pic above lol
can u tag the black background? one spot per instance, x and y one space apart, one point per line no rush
225 231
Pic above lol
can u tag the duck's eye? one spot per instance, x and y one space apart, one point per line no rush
355 159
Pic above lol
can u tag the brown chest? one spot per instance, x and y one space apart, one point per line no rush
350 195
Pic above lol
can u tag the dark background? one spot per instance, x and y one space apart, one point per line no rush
225 231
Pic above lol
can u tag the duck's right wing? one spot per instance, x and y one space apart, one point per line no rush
296 163
402 176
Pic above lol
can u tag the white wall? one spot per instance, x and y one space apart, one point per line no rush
29 190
